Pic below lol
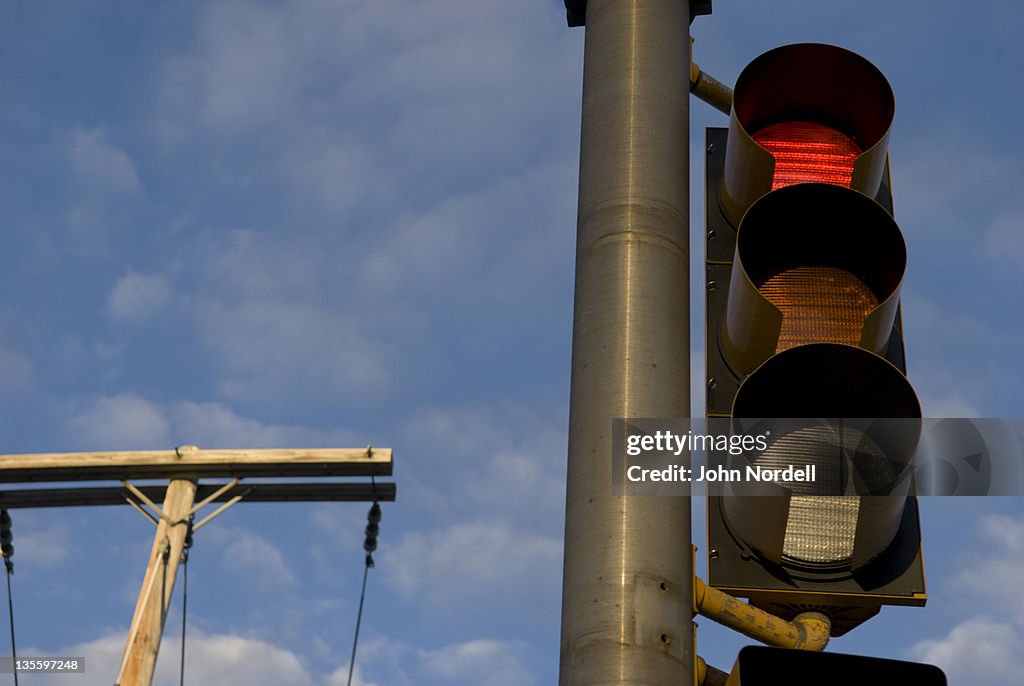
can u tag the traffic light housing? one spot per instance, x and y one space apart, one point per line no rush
759 666
804 266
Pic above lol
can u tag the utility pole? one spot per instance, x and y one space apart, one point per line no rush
627 597
146 629
183 467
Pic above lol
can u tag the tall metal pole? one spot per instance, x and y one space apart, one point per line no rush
628 575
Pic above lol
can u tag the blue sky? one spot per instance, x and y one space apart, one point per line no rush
332 223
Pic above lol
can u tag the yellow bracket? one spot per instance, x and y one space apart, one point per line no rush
807 631
707 88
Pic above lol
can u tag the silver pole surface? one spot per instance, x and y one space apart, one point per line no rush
628 574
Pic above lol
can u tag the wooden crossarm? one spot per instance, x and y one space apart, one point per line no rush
255 493
170 464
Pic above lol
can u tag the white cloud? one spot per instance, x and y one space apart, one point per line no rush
357 103
104 191
214 425
459 433
444 247
375 127
520 484
128 421
934 195
482 662
214 659
244 264
136 296
508 461
475 431
124 421
468 554
297 318
328 518
943 350
1005 238
107 351
272 352
979 652
989 576
245 69
251 559
336 174
251 62
279 319
42 548
926 319
16 367
947 405
986 648
339 677
459 564
225 659
97 163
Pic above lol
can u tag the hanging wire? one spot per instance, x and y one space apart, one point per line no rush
184 594
369 545
359 619
10 608
8 551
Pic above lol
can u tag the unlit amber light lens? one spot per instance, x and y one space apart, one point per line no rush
819 304
806 152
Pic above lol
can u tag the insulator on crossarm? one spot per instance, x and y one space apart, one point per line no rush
6 537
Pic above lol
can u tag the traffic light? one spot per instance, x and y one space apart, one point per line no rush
804 266
758 666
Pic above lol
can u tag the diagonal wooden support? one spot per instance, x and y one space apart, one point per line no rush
147 625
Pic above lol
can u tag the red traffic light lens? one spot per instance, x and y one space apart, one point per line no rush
806 151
